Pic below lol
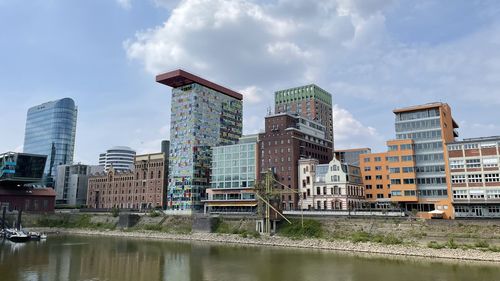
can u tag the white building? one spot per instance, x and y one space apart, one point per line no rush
72 182
120 157
333 186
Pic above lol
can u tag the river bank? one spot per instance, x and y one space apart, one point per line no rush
401 250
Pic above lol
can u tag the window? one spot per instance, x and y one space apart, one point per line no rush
458 179
393 159
491 178
460 194
408 169
408 181
474 178
394 170
368 177
367 169
380 186
396 193
406 147
378 177
369 196
410 193
490 162
392 148
471 146
368 186
380 195
473 163
457 164
366 159
395 181
378 159
378 168
454 147
406 158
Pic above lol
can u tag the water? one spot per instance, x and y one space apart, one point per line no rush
107 258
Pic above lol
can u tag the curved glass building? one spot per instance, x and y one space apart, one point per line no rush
50 130
119 157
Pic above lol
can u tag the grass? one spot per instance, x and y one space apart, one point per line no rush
435 245
219 226
82 221
363 236
311 229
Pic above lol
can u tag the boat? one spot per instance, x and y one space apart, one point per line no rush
37 236
15 235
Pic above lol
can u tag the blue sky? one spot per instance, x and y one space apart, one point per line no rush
372 55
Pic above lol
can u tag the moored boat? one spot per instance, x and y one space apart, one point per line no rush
15 235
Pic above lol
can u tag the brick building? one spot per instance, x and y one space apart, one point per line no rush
475 177
141 188
288 138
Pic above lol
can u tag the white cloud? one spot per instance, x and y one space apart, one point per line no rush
125 4
344 46
351 133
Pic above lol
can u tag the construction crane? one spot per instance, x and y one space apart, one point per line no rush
265 192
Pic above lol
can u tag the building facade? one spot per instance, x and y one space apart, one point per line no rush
17 171
234 176
72 182
475 177
332 186
351 156
375 174
121 158
139 189
50 130
204 115
308 101
288 138
431 127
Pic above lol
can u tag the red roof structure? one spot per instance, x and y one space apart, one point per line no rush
179 78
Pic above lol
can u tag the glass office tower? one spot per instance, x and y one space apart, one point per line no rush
50 130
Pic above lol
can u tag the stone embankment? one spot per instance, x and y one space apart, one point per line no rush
320 244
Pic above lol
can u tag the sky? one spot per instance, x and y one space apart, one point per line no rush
372 55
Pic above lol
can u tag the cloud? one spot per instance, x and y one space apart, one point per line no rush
348 47
125 4
351 133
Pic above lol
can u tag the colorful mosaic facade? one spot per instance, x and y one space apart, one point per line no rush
201 118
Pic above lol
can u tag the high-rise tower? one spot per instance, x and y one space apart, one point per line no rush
203 115
308 101
50 130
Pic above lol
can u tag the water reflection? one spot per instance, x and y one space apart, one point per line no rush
98 258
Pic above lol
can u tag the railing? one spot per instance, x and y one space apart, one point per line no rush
354 213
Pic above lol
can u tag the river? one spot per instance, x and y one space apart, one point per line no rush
67 257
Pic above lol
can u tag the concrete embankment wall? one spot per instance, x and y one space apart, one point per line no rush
420 231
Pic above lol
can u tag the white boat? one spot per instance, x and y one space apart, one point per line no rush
15 235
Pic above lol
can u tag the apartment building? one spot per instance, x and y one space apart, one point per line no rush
288 138
375 175
332 186
475 177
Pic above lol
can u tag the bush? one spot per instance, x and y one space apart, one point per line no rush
481 244
362 236
311 229
391 240
153 227
451 244
154 213
435 245
115 212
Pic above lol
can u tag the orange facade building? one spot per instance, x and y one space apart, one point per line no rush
416 174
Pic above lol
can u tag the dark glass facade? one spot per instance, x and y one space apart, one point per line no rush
50 130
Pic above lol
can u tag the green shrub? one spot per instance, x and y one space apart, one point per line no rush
154 213
115 212
362 236
391 240
311 229
451 244
494 248
153 227
481 244
435 245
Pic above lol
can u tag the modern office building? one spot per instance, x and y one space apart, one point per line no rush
143 187
121 158
375 174
288 138
332 186
165 146
308 101
234 175
17 170
203 115
50 130
431 127
72 182
351 156
475 177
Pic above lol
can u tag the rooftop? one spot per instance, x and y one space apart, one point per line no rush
420 107
179 78
479 139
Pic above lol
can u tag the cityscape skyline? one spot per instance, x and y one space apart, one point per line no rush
456 68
